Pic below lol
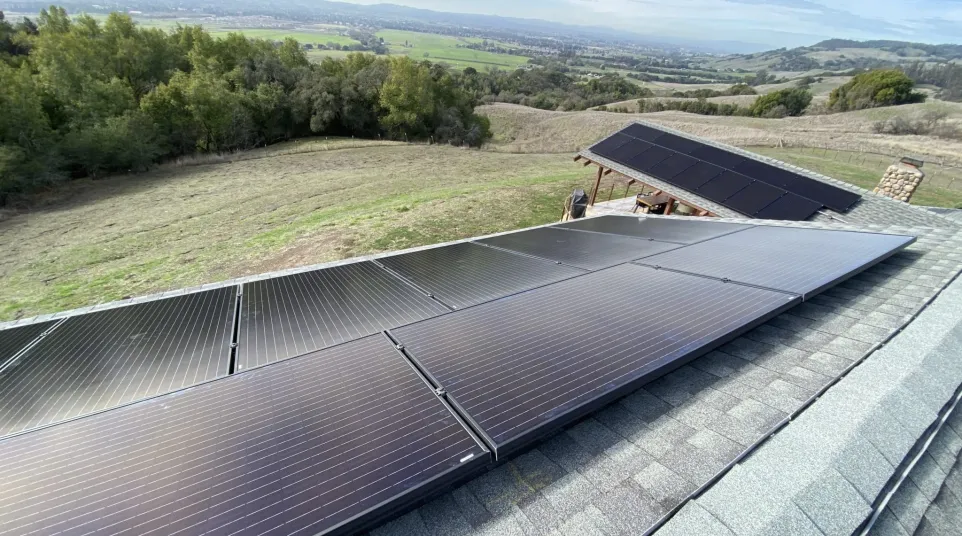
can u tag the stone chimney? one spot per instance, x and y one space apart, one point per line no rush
901 180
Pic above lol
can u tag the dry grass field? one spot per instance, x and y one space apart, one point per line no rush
207 219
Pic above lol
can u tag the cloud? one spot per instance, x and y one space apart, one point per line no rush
772 22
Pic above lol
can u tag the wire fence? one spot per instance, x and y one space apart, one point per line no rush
939 171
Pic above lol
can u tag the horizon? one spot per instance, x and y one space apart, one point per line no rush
765 24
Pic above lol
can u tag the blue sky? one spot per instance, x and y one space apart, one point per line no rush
769 22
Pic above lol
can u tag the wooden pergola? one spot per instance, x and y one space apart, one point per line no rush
671 198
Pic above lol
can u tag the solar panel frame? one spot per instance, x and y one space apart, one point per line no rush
257 452
14 340
607 145
476 342
588 251
794 260
687 231
642 132
110 358
466 274
284 317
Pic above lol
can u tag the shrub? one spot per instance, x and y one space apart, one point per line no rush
782 103
881 87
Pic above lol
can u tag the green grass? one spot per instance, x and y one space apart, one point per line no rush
444 49
289 205
856 169
302 36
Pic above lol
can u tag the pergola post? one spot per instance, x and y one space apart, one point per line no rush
594 193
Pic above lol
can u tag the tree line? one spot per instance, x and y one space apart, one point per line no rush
947 76
80 97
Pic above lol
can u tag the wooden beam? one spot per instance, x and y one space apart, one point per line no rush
608 172
669 206
577 157
594 193
587 163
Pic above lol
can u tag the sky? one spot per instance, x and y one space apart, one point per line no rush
772 23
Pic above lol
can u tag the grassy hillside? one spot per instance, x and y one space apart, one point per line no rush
188 225
442 48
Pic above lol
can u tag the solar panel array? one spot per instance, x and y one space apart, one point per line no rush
742 184
323 401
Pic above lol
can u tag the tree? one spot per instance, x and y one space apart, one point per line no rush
786 102
881 87
408 98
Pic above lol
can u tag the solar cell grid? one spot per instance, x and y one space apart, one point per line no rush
588 251
826 194
716 156
466 274
105 359
799 261
766 173
607 145
523 366
723 186
307 446
287 316
629 150
754 198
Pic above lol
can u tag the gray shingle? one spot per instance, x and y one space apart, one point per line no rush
864 467
833 504
693 519
928 477
629 508
663 484
888 525
570 494
690 462
908 504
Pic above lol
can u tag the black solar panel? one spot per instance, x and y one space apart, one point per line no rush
678 143
629 150
649 159
327 442
723 186
696 176
669 153
288 316
716 156
13 340
667 169
679 231
113 357
799 261
789 207
834 198
607 145
589 251
466 274
754 198
523 366
643 132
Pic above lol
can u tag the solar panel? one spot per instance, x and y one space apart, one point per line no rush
669 152
678 143
649 159
672 166
714 155
467 274
686 231
834 198
330 442
607 145
799 261
643 132
288 316
723 186
789 207
521 367
589 251
14 340
696 176
629 150
754 198
113 357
